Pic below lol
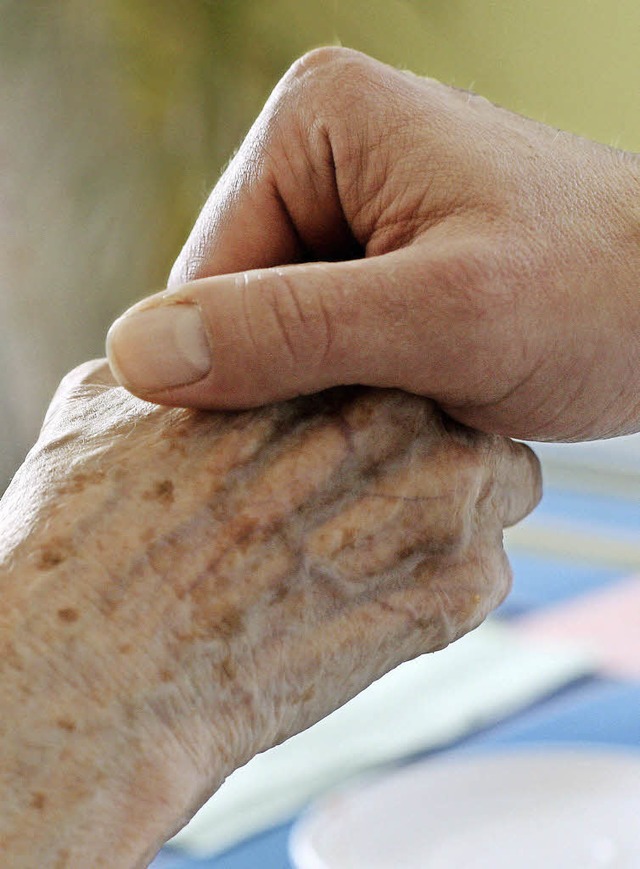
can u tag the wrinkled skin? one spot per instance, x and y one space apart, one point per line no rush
181 590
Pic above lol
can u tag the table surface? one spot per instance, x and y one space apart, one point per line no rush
584 537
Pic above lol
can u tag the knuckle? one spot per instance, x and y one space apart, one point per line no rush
451 538
75 383
304 100
496 577
329 59
329 76
94 371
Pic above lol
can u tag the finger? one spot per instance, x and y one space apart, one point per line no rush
256 337
247 339
517 480
277 202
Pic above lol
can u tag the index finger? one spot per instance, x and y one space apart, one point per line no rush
518 481
277 203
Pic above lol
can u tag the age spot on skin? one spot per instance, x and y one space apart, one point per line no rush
230 624
161 491
68 614
66 724
281 592
50 558
52 554
79 482
221 623
38 801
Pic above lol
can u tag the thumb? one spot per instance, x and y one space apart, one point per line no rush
242 340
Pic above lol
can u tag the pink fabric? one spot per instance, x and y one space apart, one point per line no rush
605 623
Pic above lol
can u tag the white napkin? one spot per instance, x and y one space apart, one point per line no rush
420 705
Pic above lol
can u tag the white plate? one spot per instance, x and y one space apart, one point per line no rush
535 808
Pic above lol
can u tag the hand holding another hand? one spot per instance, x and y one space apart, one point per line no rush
380 228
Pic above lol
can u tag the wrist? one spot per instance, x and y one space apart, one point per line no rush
88 778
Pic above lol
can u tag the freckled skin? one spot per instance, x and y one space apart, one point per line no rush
184 589
38 801
161 491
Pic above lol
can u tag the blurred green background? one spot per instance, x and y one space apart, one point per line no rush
116 117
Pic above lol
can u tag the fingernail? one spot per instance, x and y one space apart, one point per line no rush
159 347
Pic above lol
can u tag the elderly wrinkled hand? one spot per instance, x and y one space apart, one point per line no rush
183 589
